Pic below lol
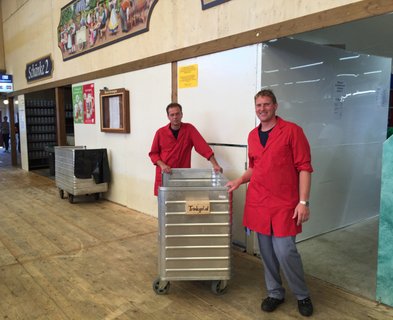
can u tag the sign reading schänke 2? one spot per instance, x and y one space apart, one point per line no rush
41 68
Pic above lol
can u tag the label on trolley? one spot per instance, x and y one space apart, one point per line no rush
197 207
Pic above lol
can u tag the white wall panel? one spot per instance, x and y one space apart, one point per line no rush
222 108
340 99
222 105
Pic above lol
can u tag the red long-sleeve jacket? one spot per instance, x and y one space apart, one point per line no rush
176 153
273 191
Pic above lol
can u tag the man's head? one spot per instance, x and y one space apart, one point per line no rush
5 118
175 114
173 105
265 106
266 93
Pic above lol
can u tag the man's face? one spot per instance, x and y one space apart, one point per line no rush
175 116
265 109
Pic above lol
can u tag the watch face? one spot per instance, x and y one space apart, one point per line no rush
305 203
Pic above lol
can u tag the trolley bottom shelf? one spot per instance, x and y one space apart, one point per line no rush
161 287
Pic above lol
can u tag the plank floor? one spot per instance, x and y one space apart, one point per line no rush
97 260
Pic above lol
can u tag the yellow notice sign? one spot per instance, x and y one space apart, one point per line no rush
188 76
197 207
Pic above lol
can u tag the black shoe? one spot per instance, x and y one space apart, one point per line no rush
305 307
270 304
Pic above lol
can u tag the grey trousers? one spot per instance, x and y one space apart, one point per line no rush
281 252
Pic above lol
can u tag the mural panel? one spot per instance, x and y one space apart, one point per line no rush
87 25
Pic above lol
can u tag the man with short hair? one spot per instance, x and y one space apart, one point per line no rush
279 177
173 143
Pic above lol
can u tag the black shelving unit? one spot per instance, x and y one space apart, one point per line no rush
40 129
69 119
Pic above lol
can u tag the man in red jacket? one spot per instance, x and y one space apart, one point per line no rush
173 143
279 177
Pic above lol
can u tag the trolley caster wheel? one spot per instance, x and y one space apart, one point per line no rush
71 198
97 196
219 287
161 287
61 194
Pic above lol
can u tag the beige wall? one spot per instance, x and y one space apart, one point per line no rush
2 58
30 31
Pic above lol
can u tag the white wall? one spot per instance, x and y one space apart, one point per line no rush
131 169
345 135
222 108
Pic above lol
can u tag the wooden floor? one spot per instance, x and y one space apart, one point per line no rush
97 260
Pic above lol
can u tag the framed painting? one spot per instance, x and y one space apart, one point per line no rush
87 25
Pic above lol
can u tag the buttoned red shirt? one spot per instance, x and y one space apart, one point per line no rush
273 191
176 153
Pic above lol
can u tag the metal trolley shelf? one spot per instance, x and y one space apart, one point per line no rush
66 181
194 209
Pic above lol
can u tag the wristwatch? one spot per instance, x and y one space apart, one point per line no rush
305 203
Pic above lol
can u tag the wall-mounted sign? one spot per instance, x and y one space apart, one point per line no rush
38 69
115 110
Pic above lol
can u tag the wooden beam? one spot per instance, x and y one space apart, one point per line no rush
61 136
174 82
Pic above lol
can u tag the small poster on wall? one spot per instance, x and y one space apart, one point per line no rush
89 115
188 76
77 102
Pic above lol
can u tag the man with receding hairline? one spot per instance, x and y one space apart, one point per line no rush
173 143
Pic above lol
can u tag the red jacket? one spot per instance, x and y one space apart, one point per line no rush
176 153
273 191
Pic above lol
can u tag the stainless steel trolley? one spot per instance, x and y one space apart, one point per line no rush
194 209
66 180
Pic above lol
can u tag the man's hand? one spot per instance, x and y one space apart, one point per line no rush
234 184
217 168
302 214
215 165
164 167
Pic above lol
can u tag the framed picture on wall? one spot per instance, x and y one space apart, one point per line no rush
115 110
206 4
86 26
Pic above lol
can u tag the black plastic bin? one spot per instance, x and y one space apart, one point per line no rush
51 159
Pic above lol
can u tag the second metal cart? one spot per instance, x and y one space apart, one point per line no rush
194 210
66 181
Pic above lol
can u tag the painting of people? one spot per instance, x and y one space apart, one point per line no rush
87 25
